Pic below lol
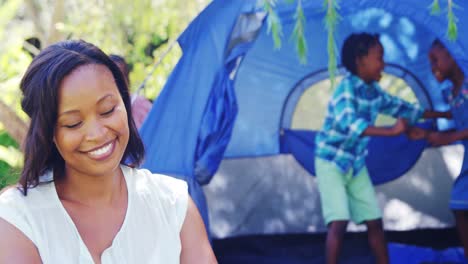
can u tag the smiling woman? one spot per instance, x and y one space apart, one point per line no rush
91 133
76 192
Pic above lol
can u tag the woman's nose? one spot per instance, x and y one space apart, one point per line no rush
95 131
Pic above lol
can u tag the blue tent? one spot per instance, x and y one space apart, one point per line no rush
233 95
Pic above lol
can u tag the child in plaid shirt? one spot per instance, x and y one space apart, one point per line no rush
346 190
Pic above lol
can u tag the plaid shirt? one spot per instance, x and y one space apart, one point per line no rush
353 107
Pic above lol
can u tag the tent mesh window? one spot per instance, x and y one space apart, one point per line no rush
311 107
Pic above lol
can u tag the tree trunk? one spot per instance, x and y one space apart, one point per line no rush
58 15
34 11
16 127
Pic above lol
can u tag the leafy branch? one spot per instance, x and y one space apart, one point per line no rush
298 33
452 29
435 7
332 18
273 22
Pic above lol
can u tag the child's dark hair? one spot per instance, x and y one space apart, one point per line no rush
437 43
356 46
40 87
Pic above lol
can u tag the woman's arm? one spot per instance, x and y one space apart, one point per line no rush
15 247
195 245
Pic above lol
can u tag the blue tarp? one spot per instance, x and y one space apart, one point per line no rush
227 99
309 248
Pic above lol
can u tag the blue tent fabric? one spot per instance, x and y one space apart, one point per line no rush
190 123
406 28
171 133
216 127
204 115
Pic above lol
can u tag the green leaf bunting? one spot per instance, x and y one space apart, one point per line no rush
331 20
298 33
452 30
273 22
435 7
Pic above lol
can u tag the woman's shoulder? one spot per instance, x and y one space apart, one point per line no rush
11 195
14 200
14 194
144 181
14 210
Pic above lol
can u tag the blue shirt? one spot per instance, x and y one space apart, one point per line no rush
459 108
353 107
458 105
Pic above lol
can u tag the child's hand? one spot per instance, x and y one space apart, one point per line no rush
416 133
448 114
436 139
400 126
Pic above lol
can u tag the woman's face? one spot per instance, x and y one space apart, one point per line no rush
92 131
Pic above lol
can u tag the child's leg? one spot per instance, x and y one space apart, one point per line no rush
364 208
461 218
377 241
334 201
335 234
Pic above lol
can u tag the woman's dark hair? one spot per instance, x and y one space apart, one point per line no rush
40 87
356 46
120 61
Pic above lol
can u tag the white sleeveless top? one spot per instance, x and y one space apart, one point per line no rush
157 205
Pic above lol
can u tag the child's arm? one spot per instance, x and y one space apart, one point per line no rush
416 133
437 138
397 129
399 108
436 114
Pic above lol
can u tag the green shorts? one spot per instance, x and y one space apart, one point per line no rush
344 197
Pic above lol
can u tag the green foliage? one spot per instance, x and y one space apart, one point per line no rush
435 7
331 20
273 22
274 27
140 33
7 141
452 30
298 33
10 160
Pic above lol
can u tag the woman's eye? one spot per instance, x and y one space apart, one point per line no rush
73 125
108 112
